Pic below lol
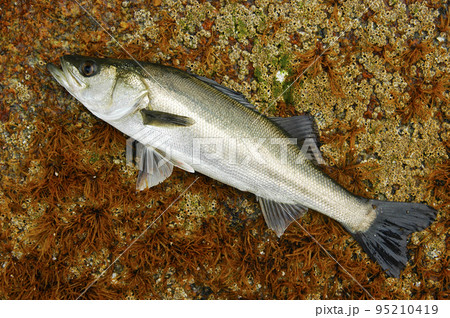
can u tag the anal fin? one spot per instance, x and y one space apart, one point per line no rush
278 215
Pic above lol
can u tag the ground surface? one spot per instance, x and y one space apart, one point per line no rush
375 74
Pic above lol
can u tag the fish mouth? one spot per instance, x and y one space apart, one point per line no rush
68 76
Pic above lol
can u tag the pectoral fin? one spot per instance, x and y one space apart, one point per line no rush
278 215
161 119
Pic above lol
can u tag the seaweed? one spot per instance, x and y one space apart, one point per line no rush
439 182
417 104
314 62
444 22
349 170
416 51
335 5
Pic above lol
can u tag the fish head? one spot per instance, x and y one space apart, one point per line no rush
109 88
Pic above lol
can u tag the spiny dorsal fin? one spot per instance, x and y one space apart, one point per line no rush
162 119
278 215
304 129
239 97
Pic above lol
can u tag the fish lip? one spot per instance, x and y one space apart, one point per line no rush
58 74
66 75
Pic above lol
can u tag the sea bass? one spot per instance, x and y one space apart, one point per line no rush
194 123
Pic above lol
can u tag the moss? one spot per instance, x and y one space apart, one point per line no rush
284 61
258 75
288 94
240 29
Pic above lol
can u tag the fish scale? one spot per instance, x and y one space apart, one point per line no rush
288 182
171 113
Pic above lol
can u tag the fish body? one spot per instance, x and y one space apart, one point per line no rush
193 123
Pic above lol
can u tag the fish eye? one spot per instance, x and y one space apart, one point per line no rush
88 68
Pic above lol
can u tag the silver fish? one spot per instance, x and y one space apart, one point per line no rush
194 123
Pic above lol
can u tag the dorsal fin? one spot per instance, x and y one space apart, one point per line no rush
300 127
239 97
304 129
278 215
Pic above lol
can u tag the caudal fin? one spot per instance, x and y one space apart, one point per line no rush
386 239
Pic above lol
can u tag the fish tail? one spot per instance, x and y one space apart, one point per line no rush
387 238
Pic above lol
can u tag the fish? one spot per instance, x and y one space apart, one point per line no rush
179 119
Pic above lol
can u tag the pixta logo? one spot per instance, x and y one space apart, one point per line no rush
224 151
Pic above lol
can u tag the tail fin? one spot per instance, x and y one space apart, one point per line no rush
386 239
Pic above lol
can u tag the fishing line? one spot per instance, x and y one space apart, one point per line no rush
135 240
273 102
331 256
120 45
